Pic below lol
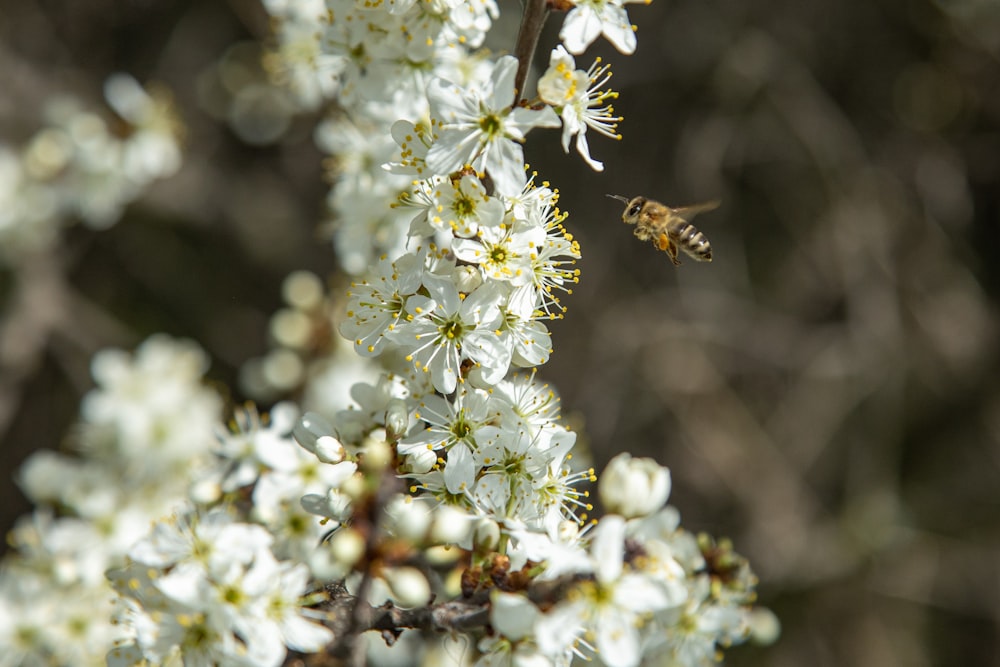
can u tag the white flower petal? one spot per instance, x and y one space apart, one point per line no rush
584 149
618 640
486 349
608 548
460 472
558 630
451 151
618 30
503 83
506 165
444 375
525 119
303 635
580 28
513 616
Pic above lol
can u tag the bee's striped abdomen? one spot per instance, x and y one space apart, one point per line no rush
693 242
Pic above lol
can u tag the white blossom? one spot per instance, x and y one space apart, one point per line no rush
609 608
447 329
590 18
481 128
578 97
221 594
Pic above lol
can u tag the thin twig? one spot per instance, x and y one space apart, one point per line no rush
532 22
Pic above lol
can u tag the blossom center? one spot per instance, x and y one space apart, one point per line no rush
463 206
490 124
460 428
450 330
232 595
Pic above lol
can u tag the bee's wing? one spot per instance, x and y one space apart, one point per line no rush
688 212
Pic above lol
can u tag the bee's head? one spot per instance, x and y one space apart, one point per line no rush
632 208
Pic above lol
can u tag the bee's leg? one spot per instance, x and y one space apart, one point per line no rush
664 243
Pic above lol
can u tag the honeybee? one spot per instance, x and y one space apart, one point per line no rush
668 228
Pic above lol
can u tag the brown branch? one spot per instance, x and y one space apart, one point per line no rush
360 616
532 22
348 616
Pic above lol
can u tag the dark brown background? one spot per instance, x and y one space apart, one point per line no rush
824 392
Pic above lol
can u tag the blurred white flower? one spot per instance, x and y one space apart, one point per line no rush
634 487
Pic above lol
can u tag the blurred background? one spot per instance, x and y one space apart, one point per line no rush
825 392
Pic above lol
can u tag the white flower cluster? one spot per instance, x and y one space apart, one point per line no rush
79 168
449 480
478 301
207 587
410 60
641 590
462 271
375 58
145 428
259 459
225 579
348 49
498 454
149 444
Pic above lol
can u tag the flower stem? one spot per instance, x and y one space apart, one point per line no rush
535 13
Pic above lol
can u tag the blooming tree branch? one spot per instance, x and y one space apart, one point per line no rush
446 496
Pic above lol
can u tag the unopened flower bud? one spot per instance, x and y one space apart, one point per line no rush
377 456
397 419
205 491
354 486
408 585
487 535
329 450
310 428
419 460
411 518
302 289
466 278
513 616
347 546
765 628
325 567
634 487
451 525
442 556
